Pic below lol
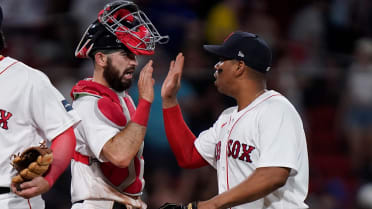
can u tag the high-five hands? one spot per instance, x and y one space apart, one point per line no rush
146 83
172 82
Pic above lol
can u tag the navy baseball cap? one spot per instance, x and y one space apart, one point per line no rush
244 46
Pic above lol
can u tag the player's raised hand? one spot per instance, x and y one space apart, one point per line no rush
28 189
146 83
172 82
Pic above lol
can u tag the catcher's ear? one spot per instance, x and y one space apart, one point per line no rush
100 58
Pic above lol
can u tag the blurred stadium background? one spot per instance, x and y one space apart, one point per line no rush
322 62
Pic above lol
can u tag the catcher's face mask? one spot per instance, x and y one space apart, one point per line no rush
120 24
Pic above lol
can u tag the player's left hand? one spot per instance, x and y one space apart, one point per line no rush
36 186
172 82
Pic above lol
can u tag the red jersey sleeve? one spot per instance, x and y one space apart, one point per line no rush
181 139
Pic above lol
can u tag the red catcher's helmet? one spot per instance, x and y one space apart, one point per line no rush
120 25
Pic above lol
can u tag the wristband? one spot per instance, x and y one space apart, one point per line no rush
141 116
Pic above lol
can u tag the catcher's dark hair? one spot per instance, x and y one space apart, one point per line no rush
107 51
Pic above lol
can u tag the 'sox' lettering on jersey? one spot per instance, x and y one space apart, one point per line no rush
229 143
4 117
236 149
246 155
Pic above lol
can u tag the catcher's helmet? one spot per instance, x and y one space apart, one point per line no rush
120 25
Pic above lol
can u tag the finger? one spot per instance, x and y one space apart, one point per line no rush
147 70
148 65
171 66
13 188
179 55
170 71
177 78
16 187
28 192
27 184
179 62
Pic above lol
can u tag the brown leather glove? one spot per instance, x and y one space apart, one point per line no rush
31 163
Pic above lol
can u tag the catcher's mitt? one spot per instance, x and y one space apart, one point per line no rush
31 163
191 205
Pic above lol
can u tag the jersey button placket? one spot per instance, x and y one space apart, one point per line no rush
224 157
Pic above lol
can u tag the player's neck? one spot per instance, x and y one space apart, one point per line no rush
98 78
248 96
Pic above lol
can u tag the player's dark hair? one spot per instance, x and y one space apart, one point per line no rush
106 51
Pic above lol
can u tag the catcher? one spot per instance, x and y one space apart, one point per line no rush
110 137
31 110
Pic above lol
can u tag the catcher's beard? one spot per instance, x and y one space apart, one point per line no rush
114 79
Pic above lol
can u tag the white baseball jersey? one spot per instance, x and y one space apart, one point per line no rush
266 133
31 110
92 134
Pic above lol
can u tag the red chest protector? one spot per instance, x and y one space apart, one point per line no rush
126 180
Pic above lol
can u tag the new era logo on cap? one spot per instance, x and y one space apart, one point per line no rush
240 54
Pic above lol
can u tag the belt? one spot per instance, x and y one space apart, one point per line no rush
4 190
115 206
82 158
87 160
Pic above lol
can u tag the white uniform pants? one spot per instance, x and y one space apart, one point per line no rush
12 201
94 204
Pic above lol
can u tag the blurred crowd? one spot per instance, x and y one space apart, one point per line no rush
322 62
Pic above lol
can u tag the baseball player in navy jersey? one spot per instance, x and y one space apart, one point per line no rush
31 110
257 147
107 170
